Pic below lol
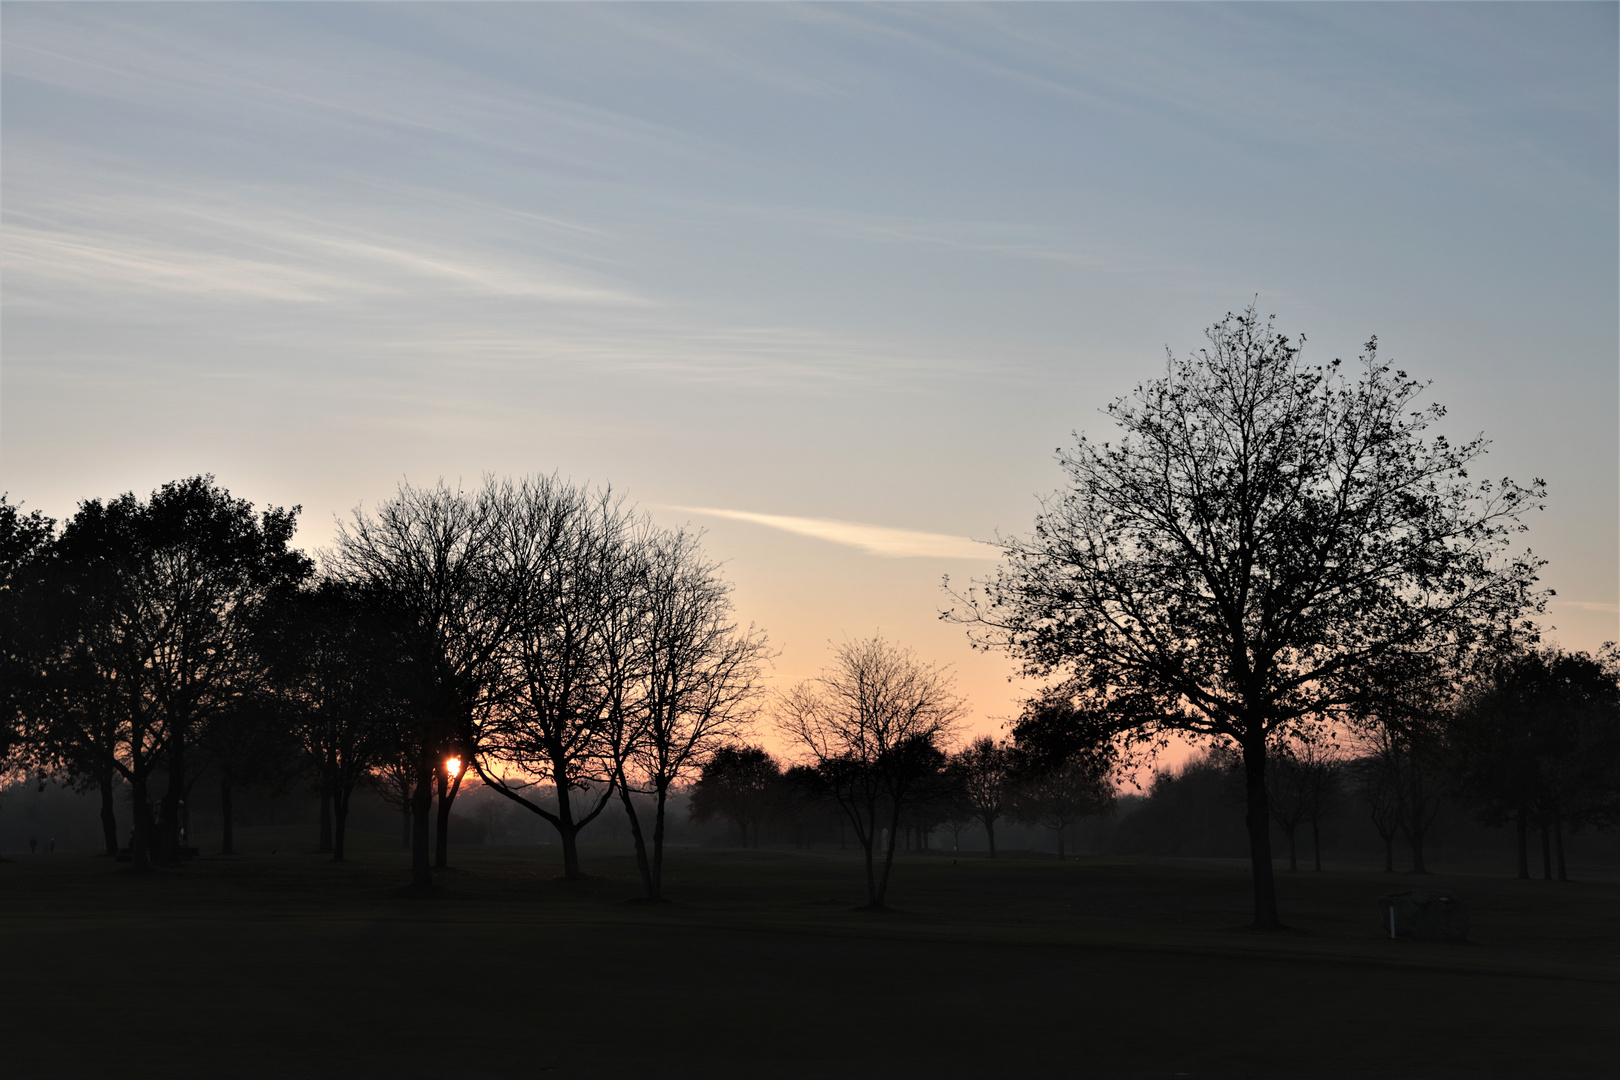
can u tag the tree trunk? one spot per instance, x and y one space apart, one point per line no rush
567 834
109 821
658 840
340 820
643 866
405 827
990 831
140 848
1521 824
1415 837
325 844
1389 853
421 817
1546 852
1293 855
867 840
441 847
1259 822
1415 827
888 857
1316 844
441 820
1558 844
1060 842
167 846
227 843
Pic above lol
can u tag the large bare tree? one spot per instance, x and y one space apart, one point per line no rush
1263 539
575 569
434 559
697 684
870 724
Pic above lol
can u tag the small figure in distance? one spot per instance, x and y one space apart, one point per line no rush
33 845
52 849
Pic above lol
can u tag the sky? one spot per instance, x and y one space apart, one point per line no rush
830 282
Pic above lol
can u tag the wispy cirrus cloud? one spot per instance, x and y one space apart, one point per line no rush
1588 605
71 231
890 543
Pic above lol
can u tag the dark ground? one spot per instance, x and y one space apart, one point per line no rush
287 965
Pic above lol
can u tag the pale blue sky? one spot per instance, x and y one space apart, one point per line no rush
856 264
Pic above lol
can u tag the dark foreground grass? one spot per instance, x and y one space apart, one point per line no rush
288 965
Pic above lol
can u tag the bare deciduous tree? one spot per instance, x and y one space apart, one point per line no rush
867 723
1304 779
433 558
1248 555
573 564
1055 796
697 687
1378 786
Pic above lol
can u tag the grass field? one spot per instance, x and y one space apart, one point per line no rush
288 965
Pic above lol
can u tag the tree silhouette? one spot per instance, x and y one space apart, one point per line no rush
566 666
1377 783
697 680
1303 781
1535 738
740 784
982 772
433 559
1402 718
26 544
872 724
163 594
1058 768
1258 543
57 719
335 682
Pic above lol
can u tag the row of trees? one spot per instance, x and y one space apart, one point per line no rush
534 634
875 726
1530 738
130 641
1271 554
531 632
